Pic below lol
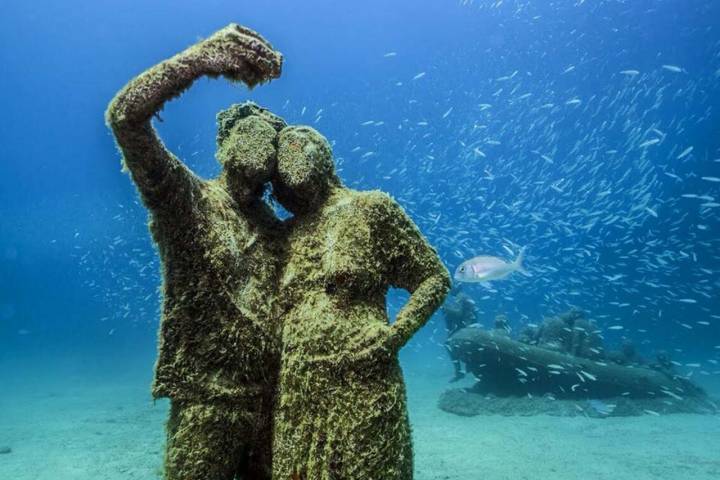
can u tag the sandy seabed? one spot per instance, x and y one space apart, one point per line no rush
67 426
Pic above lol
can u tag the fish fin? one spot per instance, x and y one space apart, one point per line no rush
518 263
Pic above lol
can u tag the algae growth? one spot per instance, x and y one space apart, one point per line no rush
264 319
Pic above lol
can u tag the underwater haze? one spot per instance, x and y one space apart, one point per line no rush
585 131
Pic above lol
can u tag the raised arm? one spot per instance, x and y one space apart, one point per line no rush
413 266
165 183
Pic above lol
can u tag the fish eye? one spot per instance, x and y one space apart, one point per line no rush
462 269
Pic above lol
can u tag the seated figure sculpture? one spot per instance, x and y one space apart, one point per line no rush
341 411
459 312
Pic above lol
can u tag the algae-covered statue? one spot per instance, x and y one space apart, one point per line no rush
219 247
341 411
262 317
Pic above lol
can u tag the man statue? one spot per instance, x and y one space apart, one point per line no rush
218 243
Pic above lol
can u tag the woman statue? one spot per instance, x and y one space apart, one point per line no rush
341 409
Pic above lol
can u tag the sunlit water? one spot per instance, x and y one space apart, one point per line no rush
586 131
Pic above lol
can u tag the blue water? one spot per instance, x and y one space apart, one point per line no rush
496 124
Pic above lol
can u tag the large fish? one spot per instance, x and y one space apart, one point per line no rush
485 268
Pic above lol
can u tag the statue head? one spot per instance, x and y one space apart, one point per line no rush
305 170
246 142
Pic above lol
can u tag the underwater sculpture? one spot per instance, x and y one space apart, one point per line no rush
570 332
563 357
260 314
220 246
341 411
459 312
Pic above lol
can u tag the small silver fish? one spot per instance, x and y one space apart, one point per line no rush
604 409
486 268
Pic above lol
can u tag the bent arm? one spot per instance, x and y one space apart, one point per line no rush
423 302
413 266
235 52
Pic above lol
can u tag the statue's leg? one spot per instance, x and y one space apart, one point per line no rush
259 459
206 441
357 428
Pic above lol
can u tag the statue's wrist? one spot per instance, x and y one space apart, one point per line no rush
192 60
394 342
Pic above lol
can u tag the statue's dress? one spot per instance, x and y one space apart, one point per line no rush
341 410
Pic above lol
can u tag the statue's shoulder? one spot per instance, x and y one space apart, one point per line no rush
371 207
375 201
214 195
216 206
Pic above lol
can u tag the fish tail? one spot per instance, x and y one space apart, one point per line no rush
518 263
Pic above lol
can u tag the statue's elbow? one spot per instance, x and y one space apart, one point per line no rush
444 281
116 117
437 284
113 119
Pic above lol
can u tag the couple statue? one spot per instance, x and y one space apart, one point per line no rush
275 347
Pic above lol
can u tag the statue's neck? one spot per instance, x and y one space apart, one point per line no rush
249 201
239 190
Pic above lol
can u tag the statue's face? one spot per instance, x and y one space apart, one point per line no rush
246 148
305 169
247 156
